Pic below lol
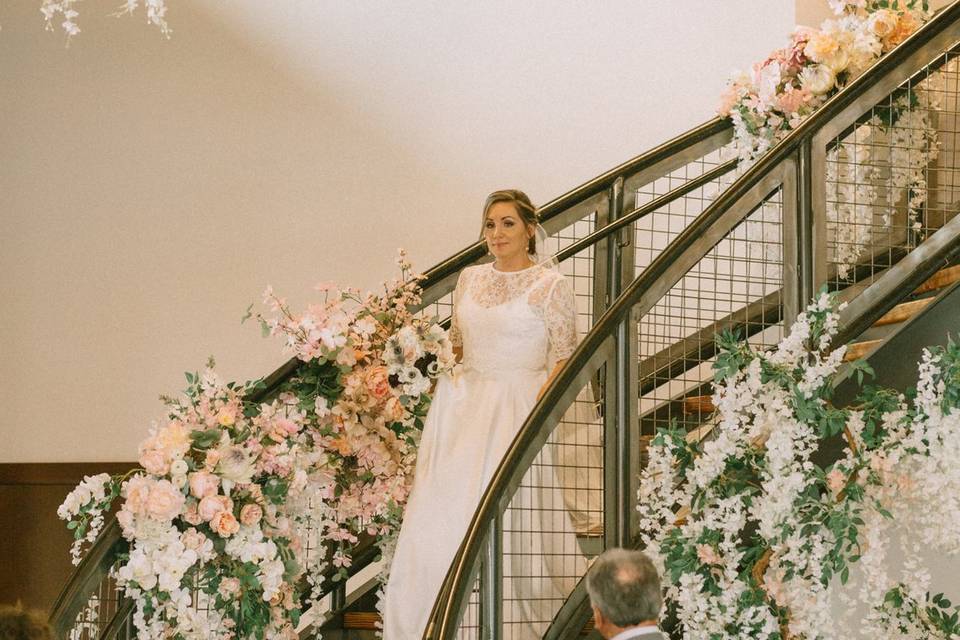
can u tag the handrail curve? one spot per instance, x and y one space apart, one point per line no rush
438 281
731 207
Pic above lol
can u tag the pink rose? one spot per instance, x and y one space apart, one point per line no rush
164 501
210 506
251 514
225 524
190 513
154 462
192 539
229 587
203 484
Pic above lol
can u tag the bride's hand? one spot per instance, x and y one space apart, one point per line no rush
553 374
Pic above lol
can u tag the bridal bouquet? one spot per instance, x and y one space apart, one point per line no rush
231 493
754 538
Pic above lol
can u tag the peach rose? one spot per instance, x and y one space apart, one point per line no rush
251 514
212 505
203 484
821 47
393 410
154 462
906 25
225 524
883 22
376 381
211 460
165 501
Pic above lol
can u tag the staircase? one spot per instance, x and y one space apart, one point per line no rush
663 252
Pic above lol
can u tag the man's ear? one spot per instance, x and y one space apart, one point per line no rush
598 619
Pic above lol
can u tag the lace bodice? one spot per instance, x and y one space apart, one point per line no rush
513 320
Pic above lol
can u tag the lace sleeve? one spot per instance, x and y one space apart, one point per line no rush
456 338
560 315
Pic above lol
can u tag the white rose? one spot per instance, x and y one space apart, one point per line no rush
179 480
818 79
838 61
179 467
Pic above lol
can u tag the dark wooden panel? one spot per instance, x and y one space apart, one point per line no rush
34 543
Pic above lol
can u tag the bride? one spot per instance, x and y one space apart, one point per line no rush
510 318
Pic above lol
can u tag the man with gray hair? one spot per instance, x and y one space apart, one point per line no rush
625 593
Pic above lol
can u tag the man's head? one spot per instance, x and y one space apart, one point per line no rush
624 590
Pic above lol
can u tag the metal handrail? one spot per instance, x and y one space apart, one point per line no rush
437 282
693 243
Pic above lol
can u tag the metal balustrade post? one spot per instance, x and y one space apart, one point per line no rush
806 229
491 582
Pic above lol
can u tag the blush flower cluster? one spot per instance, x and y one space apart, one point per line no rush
241 508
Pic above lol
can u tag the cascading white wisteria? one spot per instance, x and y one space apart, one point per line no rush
754 539
880 166
156 11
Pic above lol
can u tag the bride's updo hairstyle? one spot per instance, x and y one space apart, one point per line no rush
525 209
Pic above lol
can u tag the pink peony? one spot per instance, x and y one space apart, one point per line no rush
203 484
165 501
225 524
154 462
251 514
137 490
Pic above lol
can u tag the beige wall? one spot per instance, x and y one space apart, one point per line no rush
811 13
149 189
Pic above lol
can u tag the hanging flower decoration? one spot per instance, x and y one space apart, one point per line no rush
232 494
755 539
66 11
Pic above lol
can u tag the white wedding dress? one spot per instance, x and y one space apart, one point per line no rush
510 325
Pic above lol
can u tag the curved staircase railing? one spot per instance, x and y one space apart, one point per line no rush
751 260
587 227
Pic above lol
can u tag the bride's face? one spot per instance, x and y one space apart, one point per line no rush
505 232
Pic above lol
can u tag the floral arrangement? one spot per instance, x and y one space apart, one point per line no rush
792 82
235 497
754 538
156 12
882 162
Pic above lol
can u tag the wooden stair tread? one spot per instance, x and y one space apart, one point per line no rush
903 311
698 404
857 350
361 620
940 279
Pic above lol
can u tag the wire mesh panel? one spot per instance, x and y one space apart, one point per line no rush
654 232
891 177
470 624
737 286
551 521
